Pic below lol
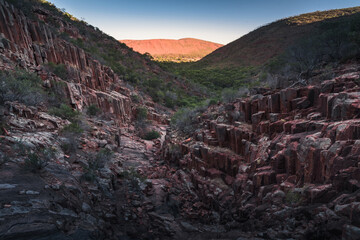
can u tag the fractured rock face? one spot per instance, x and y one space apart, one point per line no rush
287 148
33 44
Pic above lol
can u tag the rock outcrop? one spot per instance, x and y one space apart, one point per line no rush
30 44
270 155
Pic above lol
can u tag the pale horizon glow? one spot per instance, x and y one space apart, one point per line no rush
211 20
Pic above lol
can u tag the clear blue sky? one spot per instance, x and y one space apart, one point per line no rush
219 21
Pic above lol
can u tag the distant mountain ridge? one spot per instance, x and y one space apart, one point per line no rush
181 50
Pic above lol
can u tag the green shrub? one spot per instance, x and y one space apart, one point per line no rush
135 98
186 118
141 114
64 111
92 110
73 127
58 69
132 175
156 95
89 175
102 157
36 161
213 102
230 95
293 197
152 135
95 162
170 99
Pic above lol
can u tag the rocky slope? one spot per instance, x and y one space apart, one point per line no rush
30 44
280 164
182 50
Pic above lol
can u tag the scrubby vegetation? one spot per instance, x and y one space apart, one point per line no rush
92 110
151 135
57 94
133 176
39 159
69 146
76 125
21 86
335 42
64 111
229 94
58 69
135 98
141 114
73 127
27 88
214 78
321 15
3 124
185 119
95 162
292 197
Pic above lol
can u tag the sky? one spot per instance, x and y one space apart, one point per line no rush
220 21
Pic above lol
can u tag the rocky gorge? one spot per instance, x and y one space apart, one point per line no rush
277 164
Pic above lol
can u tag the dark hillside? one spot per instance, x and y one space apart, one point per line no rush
264 43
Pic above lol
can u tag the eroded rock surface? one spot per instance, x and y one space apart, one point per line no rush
281 166
277 165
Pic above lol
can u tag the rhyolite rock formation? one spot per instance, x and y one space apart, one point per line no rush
280 164
31 44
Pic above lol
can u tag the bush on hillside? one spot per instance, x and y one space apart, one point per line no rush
135 98
141 114
21 86
152 135
73 127
95 162
36 161
58 69
336 42
92 110
64 111
186 118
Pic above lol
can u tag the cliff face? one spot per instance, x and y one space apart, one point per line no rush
31 44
